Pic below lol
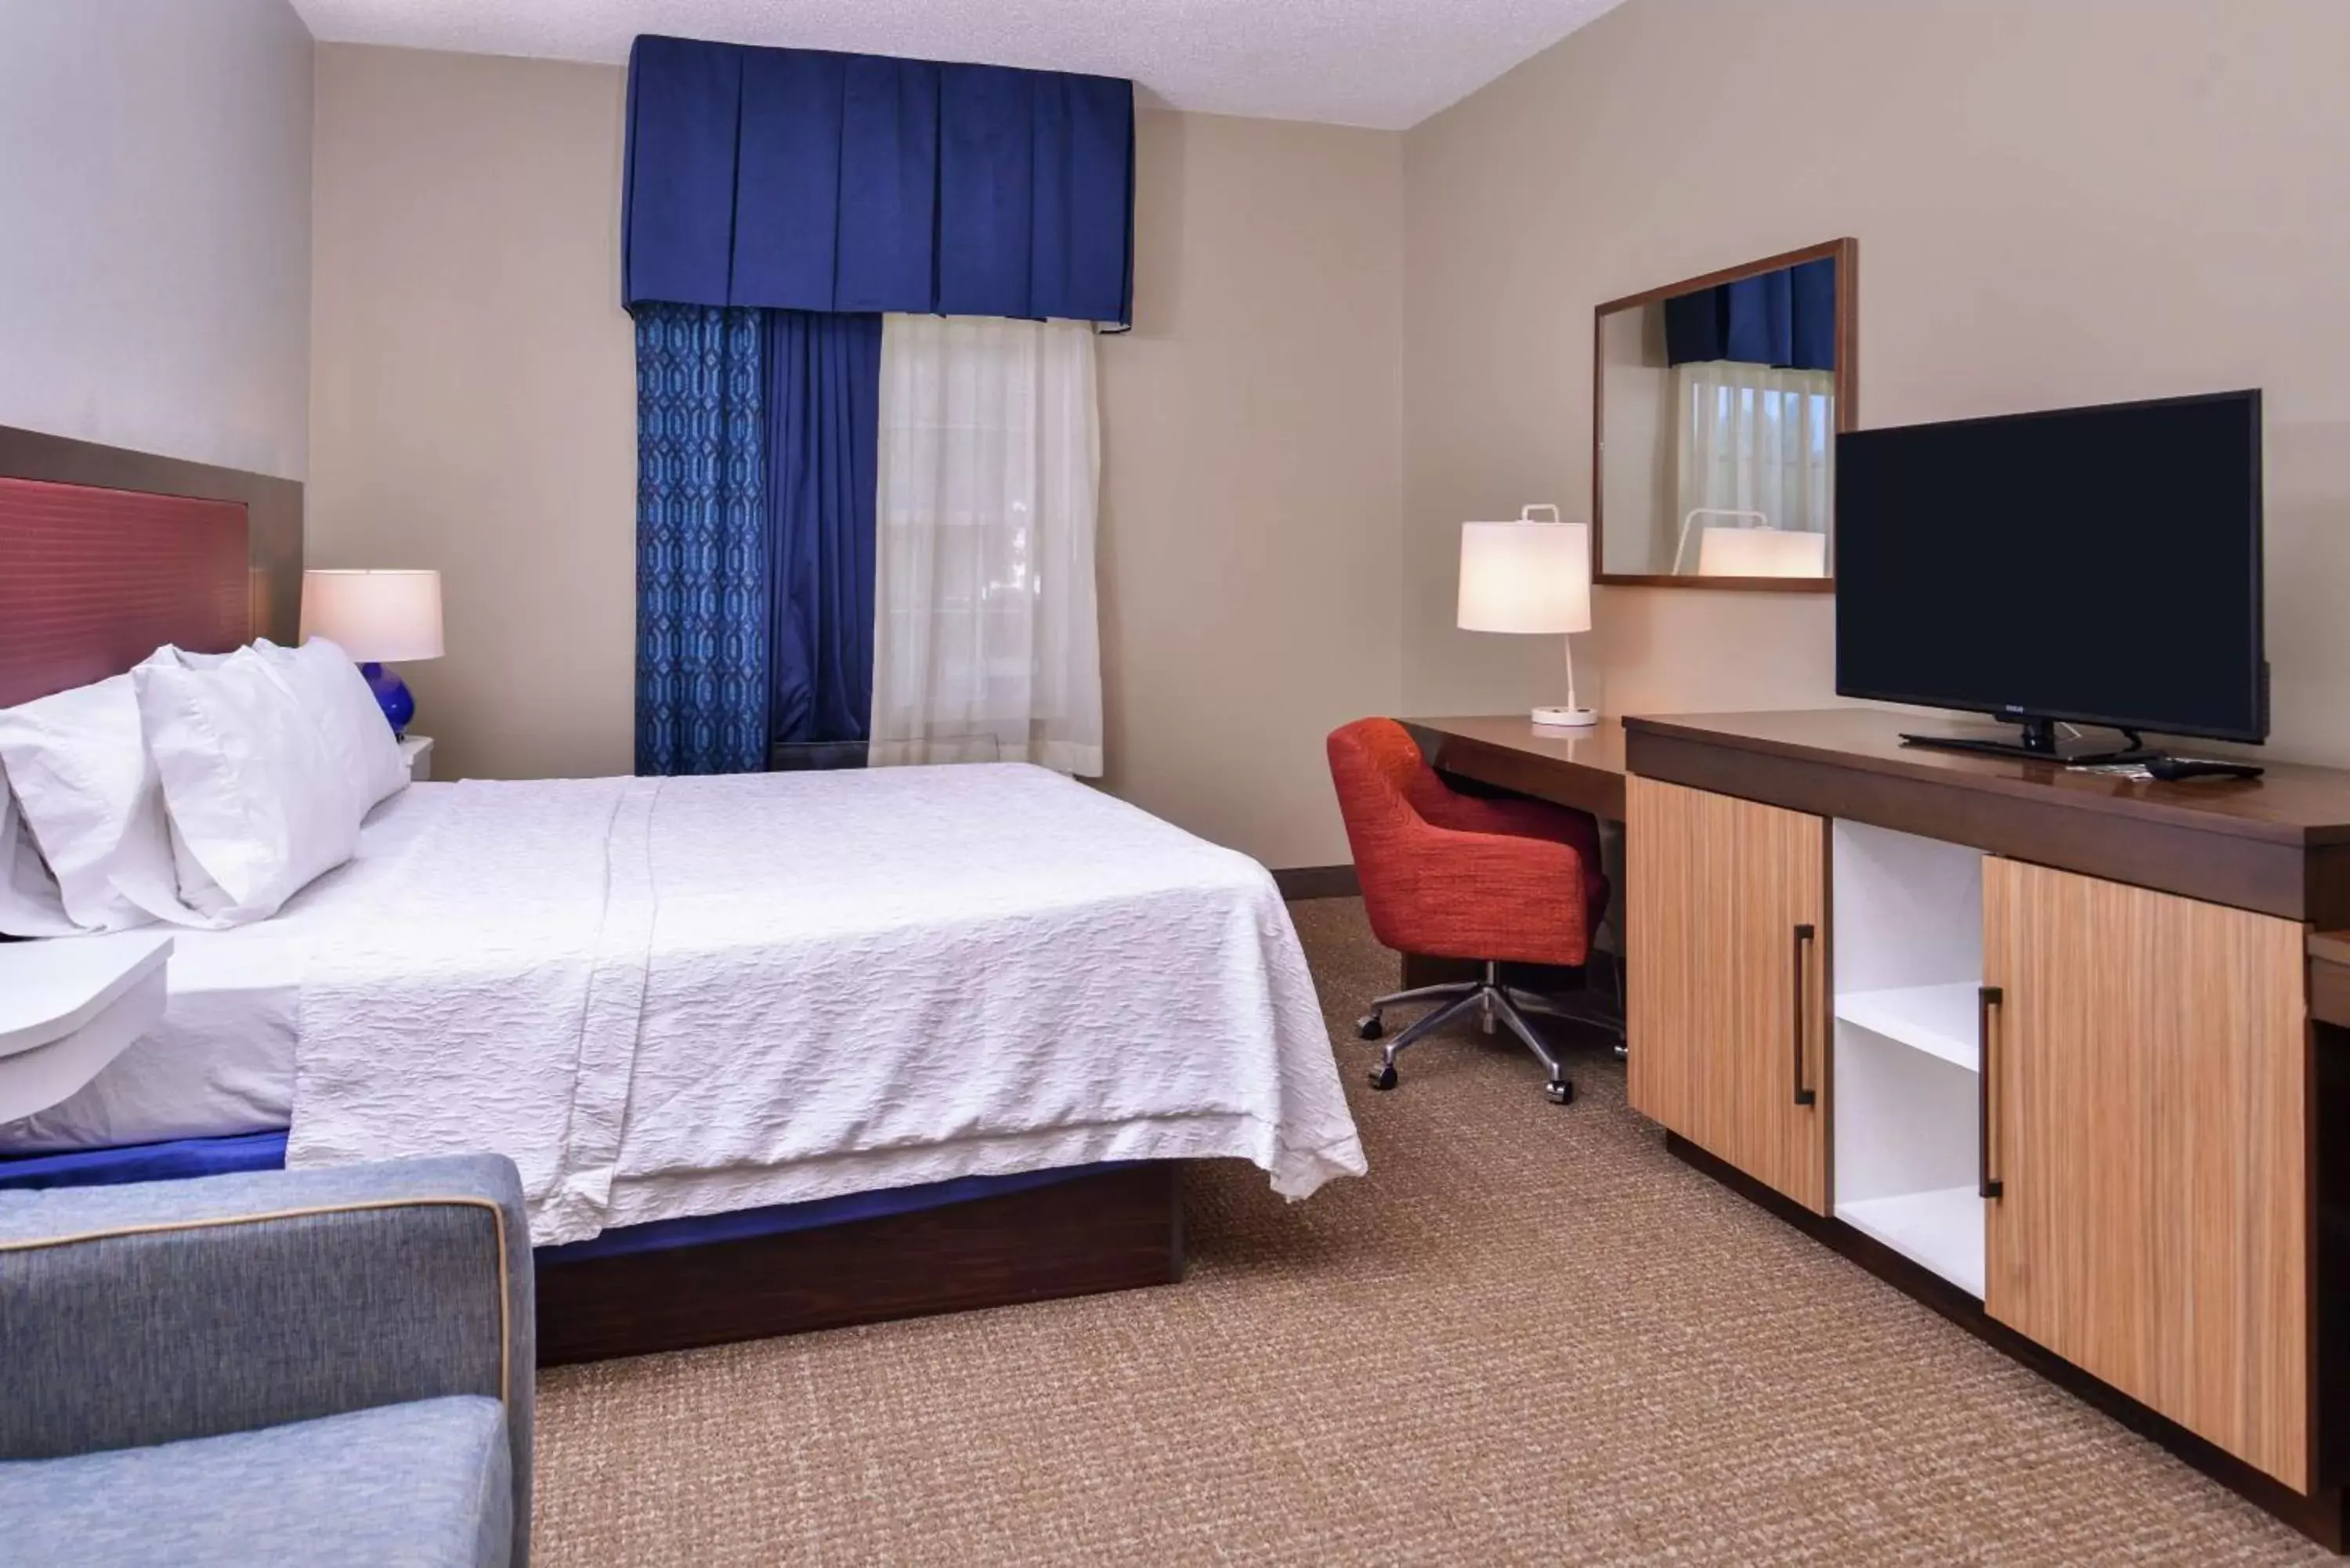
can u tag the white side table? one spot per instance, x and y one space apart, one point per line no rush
68 1005
418 751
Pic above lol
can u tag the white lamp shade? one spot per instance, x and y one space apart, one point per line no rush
1525 576
1761 553
377 618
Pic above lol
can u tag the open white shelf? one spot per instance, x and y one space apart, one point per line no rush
1908 950
1941 1229
1939 1020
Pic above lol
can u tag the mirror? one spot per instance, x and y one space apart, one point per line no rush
1715 406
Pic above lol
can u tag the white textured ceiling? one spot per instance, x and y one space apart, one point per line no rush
1385 63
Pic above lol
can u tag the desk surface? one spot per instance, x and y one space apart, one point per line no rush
2278 844
1579 768
2289 804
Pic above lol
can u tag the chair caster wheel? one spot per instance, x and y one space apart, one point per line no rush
1560 1093
1383 1078
1369 1027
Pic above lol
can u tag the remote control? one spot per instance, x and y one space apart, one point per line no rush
2171 769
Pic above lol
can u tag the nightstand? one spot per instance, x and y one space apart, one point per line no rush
416 750
68 1005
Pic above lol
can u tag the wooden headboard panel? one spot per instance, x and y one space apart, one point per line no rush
105 554
92 581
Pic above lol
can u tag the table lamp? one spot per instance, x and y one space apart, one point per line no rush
375 617
1530 576
1761 553
1680 545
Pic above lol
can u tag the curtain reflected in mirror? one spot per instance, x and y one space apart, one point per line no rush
1718 404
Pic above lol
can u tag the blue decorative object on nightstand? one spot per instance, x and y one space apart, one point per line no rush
392 695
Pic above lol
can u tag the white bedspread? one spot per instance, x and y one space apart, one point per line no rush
664 997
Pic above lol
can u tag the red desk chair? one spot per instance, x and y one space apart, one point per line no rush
1454 876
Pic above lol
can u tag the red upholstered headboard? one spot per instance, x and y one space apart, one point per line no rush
93 580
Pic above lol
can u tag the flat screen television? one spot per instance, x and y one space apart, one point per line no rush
2096 566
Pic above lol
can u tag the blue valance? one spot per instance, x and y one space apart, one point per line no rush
1785 318
799 179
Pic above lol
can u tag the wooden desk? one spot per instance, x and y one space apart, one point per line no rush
1578 768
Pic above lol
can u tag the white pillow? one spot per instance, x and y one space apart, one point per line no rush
172 653
88 791
335 694
258 805
30 905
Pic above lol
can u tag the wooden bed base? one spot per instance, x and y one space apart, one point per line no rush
1111 1231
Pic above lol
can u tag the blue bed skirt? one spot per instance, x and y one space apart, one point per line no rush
176 1161
185 1158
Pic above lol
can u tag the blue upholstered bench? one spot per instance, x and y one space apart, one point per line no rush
287 1367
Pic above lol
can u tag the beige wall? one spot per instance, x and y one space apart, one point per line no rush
2055 204
474 410
472 402
1252 428
155 253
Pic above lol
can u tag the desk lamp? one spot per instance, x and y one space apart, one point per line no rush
1531 576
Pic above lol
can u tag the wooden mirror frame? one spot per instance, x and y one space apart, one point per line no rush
1845 253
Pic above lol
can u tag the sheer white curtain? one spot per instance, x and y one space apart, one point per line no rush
1753 439
985 644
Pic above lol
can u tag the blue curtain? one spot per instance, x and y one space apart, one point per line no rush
800 179
824 391
1785 318
702 582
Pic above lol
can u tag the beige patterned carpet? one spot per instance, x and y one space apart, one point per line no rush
1530 1336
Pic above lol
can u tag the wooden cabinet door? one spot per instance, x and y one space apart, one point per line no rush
2147 1068
1726 979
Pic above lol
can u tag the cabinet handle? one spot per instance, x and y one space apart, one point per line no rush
1987 997
1804 935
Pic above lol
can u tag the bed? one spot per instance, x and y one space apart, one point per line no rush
772 1052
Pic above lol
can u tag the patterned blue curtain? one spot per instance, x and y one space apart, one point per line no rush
701 552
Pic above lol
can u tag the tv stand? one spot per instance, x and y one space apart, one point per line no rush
2039 743
2043 1047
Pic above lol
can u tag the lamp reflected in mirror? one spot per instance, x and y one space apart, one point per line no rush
1761 553
1717 404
